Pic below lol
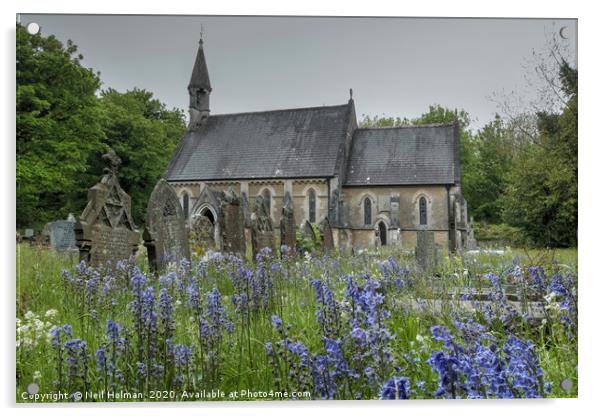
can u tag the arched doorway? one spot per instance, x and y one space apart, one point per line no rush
382 233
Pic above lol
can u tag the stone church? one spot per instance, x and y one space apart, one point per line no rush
376 186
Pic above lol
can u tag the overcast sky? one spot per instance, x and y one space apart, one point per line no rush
396 66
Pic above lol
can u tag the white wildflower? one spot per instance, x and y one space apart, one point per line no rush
51 313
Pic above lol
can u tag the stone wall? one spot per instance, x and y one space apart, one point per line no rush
396 206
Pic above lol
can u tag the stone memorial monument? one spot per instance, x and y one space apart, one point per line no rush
165 235
308 231
202 233
326 235
262 229
426 251
231 223
287 224
62 235
105 232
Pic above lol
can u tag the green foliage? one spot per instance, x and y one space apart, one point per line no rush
57 124
63 128
144 134
305 244
498 233
542 194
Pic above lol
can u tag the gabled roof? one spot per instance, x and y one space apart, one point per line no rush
200 74
412 155
293 143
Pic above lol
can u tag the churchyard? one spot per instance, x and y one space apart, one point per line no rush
177 319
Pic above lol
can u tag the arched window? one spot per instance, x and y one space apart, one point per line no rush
367 211
422 207
267 200
185 204
311 199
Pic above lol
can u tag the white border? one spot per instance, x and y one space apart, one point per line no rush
589 149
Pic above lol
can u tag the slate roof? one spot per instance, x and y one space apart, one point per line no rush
412 155
200 75
294 143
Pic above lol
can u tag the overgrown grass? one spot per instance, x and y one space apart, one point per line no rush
239 359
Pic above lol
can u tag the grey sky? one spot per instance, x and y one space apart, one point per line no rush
396 66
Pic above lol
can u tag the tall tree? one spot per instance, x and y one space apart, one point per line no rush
57 126
542 194
144 134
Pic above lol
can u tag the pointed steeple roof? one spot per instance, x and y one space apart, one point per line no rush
200 75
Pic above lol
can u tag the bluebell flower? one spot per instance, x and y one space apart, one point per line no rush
396 388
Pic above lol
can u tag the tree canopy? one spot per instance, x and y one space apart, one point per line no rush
65 122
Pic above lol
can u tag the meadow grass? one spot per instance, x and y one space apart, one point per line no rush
238 359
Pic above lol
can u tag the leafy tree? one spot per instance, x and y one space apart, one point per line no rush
57 126
493 159
63 127
542 194
144 134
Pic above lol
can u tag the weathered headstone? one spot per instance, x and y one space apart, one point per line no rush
287 224
308 231
202 233
232 224
343 240
426 252
28 233
471 242
262 229
62 235
165 234
105 232
326 235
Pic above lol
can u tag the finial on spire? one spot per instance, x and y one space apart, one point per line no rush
201 35
351 93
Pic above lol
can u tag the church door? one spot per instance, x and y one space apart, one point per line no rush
382 233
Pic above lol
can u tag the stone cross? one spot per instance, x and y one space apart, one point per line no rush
105 231
165 235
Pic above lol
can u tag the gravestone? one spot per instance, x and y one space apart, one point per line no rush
343 240
165 236
287 223
426 252
326 235
308 231
105 232
262 229
62 235
471 242
28 233
202 233
231 222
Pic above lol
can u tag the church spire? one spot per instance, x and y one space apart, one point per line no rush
199 90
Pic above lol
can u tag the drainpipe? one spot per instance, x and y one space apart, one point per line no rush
449 229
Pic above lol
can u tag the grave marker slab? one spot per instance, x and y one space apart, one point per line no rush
262 229
62 235
231 220
326 235
287 223
165 235
308 231
426 252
